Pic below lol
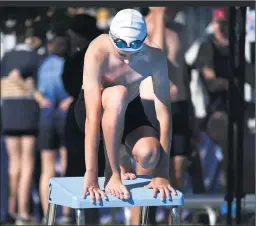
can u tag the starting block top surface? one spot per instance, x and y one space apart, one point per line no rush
68 191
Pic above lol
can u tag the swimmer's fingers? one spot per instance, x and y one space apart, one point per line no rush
92 195
85 192
97 195
155 191
162 195
103 194
174 192
149 186
167 193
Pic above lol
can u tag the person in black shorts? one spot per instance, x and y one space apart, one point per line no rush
114 66
20 113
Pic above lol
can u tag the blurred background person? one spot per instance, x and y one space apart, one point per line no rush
213 65
20 114
52 118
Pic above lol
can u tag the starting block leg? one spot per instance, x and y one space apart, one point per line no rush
51 214
144 215
175 215
80 219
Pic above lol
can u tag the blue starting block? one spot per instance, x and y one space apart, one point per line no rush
68 191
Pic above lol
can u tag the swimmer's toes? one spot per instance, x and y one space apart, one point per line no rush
125 176
108 191
117 194
125 192
121 193
132 176
128 176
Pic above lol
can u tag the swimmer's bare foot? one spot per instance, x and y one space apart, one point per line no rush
114 186
127 173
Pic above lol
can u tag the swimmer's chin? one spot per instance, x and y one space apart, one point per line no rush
124 53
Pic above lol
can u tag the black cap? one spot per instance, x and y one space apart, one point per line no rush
56 31
86 26
36 31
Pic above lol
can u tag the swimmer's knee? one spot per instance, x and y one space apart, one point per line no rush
149 156
115 97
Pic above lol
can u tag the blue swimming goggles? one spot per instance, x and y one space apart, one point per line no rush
121 44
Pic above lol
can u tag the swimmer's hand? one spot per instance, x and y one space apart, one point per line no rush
115 187
162 185
91 186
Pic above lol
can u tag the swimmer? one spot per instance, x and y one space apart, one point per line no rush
115 64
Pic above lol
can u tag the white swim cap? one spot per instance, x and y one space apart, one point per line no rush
129 25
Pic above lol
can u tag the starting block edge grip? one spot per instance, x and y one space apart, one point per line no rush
57 192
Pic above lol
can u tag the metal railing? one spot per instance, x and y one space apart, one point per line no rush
214 201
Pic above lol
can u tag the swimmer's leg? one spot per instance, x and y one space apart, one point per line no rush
145 147
114 103
126 166
135 211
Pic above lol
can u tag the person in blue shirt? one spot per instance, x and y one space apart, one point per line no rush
52 117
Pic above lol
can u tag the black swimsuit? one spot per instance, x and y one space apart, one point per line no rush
135 116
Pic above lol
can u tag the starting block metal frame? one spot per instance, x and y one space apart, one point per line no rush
68 191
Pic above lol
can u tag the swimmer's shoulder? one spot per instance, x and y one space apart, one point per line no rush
98 48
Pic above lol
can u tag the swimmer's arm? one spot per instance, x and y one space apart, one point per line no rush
162 101
92 96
